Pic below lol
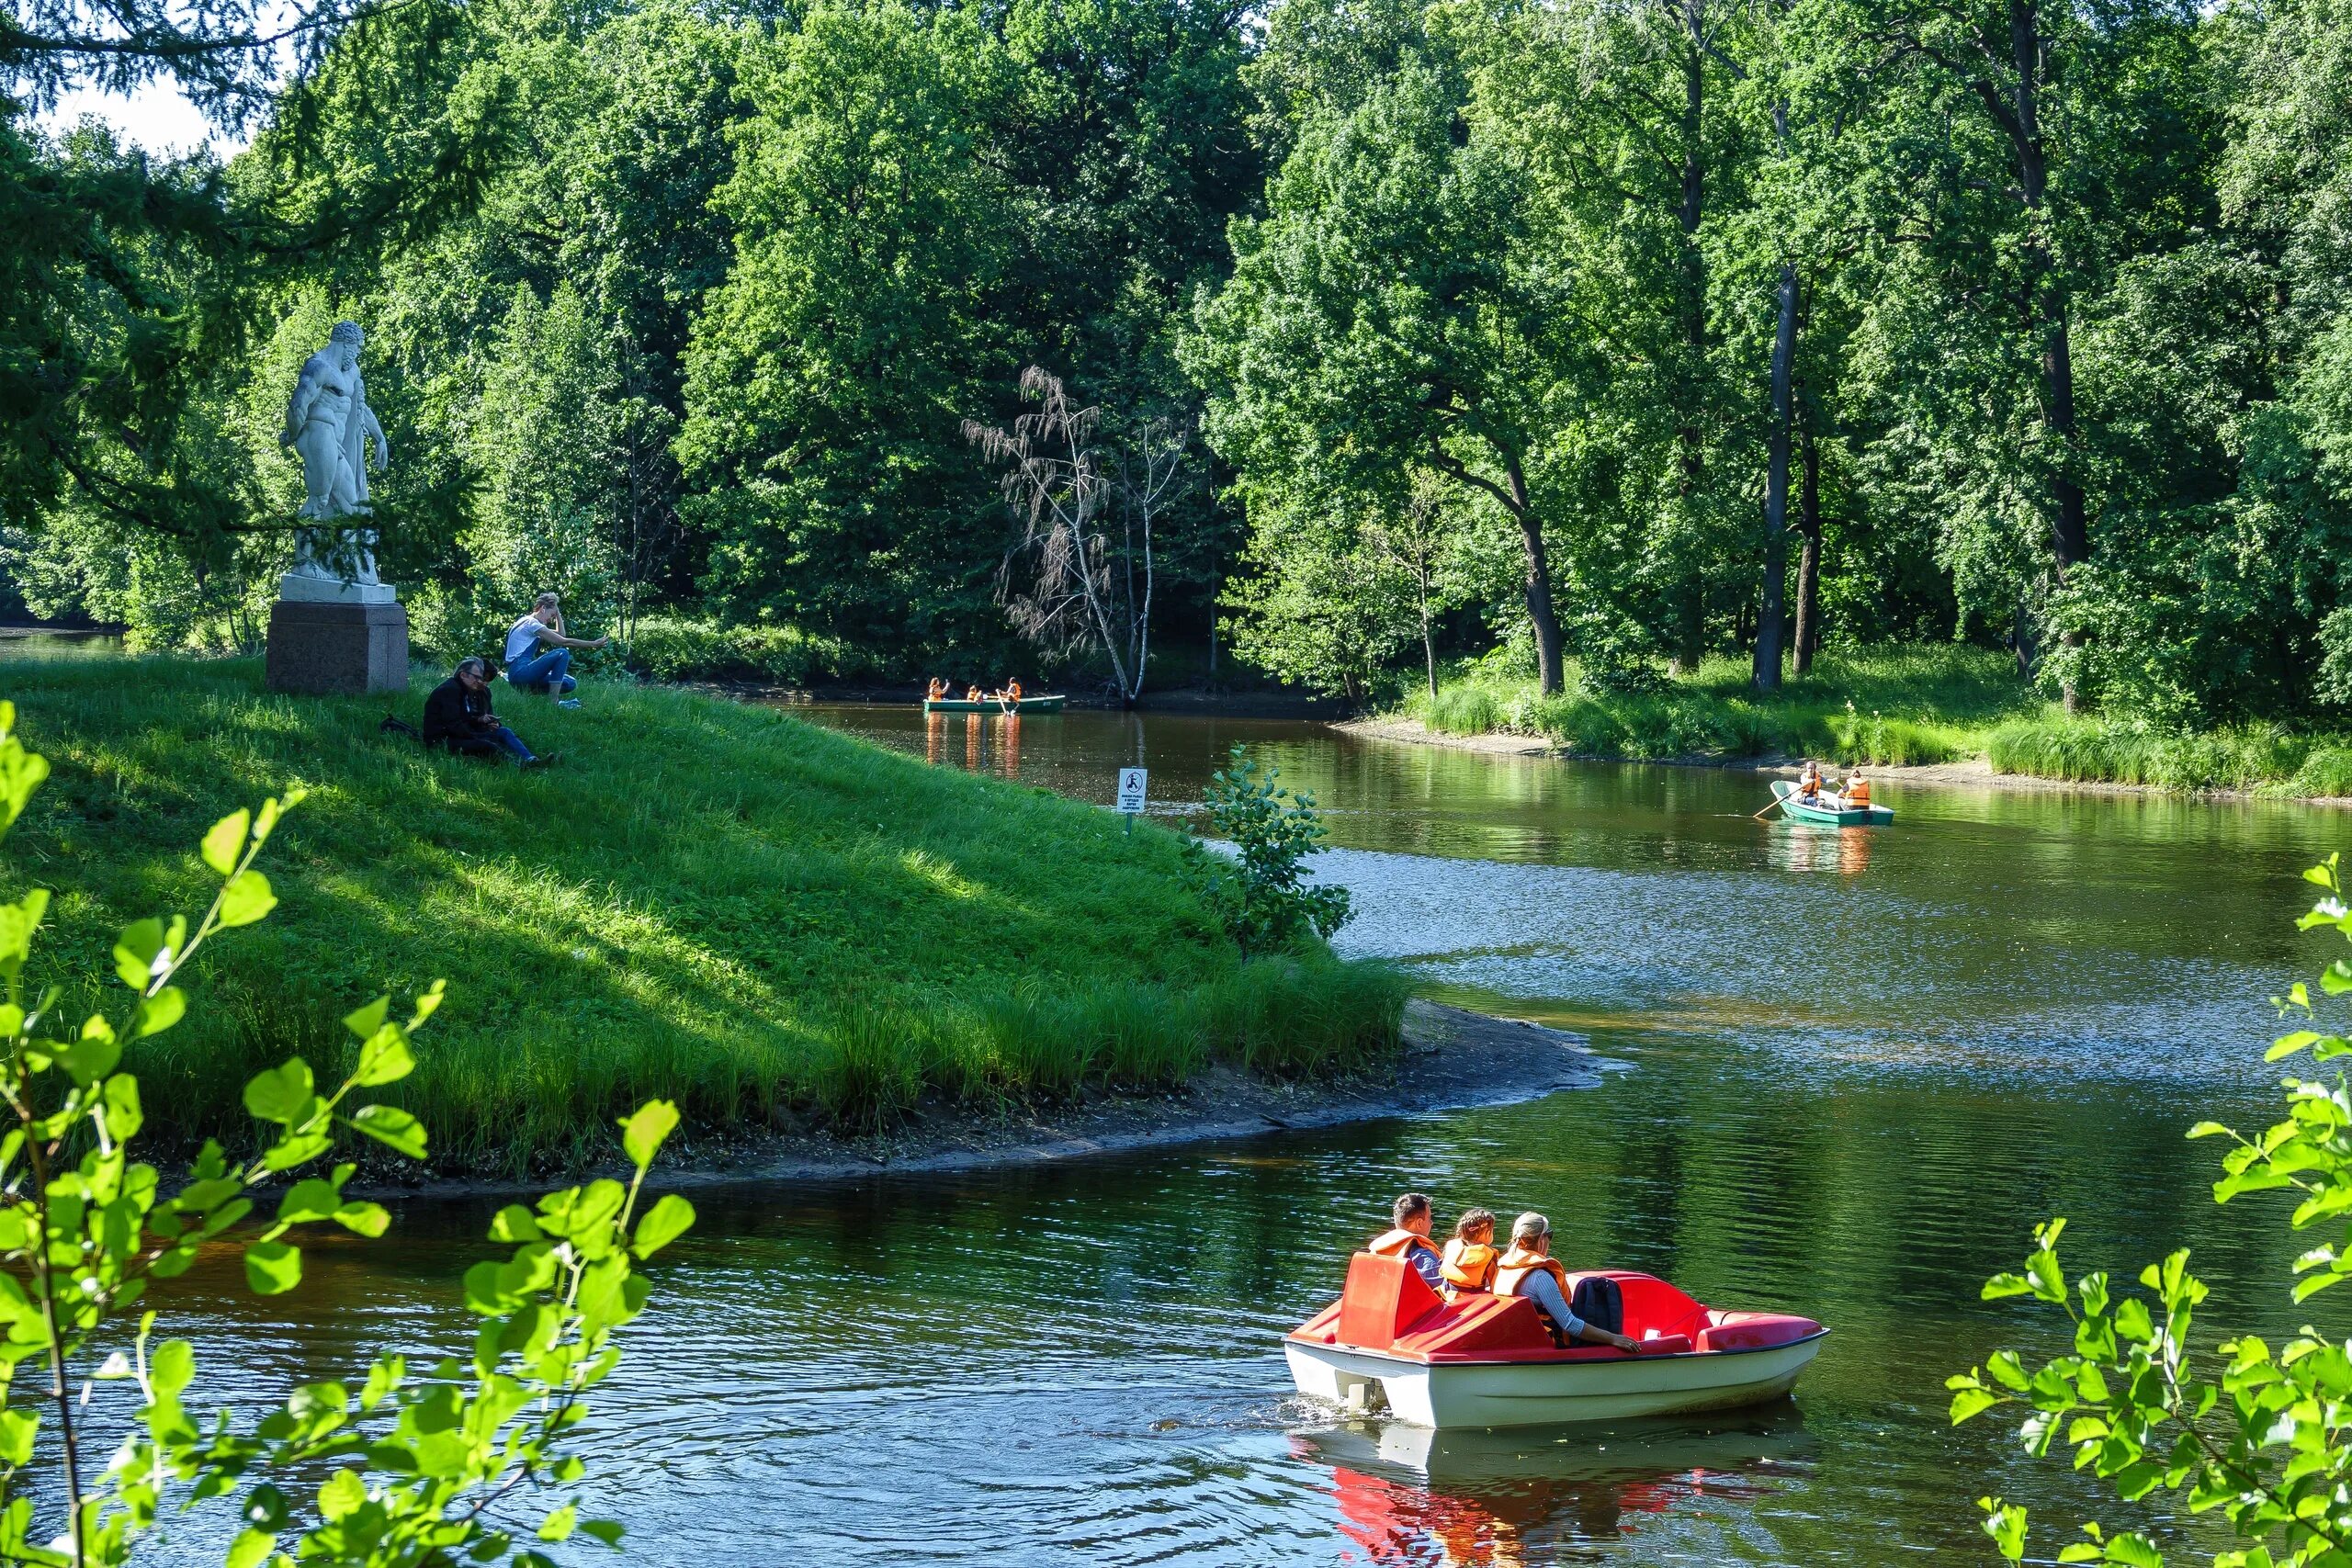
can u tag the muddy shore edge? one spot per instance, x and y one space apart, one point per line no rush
1976 773
1452 1060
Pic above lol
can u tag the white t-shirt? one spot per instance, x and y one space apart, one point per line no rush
522 638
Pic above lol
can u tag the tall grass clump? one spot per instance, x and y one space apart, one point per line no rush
708 902
1893 705
2093 749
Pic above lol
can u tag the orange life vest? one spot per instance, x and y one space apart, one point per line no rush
1519 1263
1400 1244
1012 690
1469 1264
1858 792
972 694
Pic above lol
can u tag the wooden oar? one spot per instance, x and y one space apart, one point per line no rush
1777 799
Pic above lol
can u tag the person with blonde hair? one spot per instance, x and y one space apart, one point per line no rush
527 667
1529 1269
1471 1255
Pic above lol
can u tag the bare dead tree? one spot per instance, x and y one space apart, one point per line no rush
1081 569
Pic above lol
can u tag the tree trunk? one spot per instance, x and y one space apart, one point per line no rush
1428 642
1766 671
1547 626
1809 555
2069 526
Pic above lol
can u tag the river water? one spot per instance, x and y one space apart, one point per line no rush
1859 1065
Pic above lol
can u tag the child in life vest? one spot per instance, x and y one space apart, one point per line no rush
1470 1257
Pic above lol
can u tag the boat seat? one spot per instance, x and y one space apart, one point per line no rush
1384 1298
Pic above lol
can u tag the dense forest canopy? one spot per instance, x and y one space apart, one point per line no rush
1586 335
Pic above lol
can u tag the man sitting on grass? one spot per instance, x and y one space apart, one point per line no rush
528 668
457 716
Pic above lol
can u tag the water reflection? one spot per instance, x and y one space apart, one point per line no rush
1507 1499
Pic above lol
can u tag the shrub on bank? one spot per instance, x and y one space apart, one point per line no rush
708 902
677 648
1886 705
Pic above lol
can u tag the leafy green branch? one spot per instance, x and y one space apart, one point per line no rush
2264 1438
422 1464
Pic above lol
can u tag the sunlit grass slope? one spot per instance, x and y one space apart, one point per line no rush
707 901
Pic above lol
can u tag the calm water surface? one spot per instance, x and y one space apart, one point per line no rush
1862 1065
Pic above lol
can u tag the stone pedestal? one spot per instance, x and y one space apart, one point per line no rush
323 647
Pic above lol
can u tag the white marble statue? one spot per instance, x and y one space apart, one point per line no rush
328 423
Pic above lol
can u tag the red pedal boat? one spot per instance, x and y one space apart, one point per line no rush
1482 1361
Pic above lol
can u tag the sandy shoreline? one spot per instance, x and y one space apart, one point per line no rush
1452 1060
1974 773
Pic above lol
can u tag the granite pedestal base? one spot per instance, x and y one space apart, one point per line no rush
330 649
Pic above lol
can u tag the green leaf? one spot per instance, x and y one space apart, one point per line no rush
307 1200
642 1133
663 1223
344 1495
369 1220
173 1367
21 772
2008 1369
558 1524
485 1293
159 1013
2134 1550
1971 1402
272 1268
385 1057
17 1425
364 1022
247 899
604 1531
282 1094
2006 1523
135 952
226 841
2207 1130
250 1548
393 1127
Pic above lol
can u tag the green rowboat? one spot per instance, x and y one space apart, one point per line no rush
1785 792
994 705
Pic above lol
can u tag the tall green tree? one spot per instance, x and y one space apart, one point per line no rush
1388 317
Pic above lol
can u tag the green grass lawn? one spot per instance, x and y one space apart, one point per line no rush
707 901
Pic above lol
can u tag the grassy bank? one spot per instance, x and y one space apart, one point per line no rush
1892 706
711 902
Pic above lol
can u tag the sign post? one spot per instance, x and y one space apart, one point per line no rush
1131 788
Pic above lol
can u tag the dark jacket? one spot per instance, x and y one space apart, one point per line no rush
452 712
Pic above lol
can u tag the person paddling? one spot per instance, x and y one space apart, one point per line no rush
1471 1255
1528 1269
1809 784
1409 1239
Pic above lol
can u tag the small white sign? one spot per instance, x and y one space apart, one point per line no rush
1131 791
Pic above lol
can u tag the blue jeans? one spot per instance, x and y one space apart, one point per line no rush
550 670
511 740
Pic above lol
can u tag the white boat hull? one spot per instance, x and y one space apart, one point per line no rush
1540 1393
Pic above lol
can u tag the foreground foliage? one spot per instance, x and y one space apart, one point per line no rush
420 1467
2254 1432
